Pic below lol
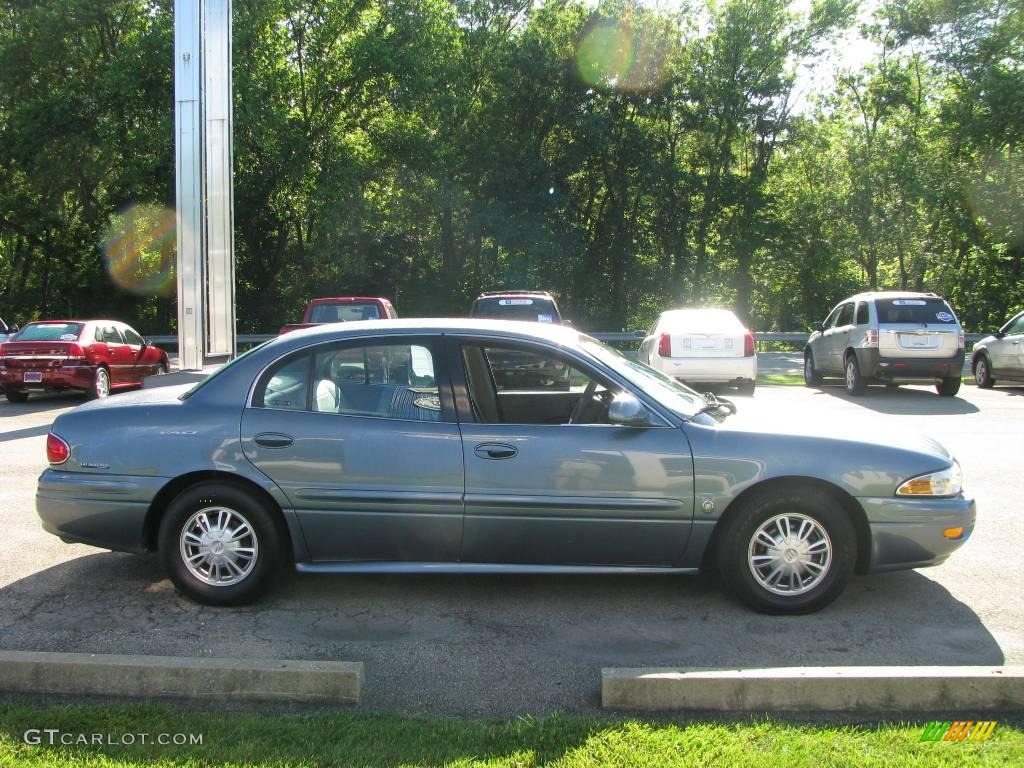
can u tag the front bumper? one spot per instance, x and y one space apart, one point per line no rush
107 511
708 369
62 377
908 533
910 369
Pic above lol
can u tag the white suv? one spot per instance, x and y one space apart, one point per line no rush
889 338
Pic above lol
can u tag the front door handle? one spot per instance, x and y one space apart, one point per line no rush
495 451
273 440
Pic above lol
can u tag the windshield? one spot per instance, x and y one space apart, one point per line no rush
203 382
344 312
532 308
49 332
678 398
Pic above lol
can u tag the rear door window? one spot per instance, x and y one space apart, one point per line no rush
916 311
845 315
863 313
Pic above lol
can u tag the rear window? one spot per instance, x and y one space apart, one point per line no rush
701 321
347 312
49 332
534 308
915 311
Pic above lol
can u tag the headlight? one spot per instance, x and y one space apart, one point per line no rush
948 482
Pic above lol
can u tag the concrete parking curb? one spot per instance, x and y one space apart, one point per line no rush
814 689
337 682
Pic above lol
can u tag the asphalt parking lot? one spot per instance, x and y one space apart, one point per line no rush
500 646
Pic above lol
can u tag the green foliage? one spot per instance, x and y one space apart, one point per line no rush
629 158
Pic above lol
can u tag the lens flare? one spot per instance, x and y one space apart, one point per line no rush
139 250
611 54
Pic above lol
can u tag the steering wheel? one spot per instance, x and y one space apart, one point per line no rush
584 404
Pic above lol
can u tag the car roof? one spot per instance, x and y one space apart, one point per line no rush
491 294
414 326
869 295
344 299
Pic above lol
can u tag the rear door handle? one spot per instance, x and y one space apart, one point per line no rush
273 440
495 451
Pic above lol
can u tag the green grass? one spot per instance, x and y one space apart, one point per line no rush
350 739
785 379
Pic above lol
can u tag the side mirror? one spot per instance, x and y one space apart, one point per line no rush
567 322
999 334
817 327
628 411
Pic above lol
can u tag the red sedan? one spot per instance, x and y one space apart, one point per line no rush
95 356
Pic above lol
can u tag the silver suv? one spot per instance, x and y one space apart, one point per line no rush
888 338
1000 355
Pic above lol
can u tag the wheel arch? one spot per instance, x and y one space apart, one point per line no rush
979 353
846 502
157 508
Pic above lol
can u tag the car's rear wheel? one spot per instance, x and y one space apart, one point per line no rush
983 373
746 387
788 552
220 544
949 386
100 386
161 369
15 395
811 376
854 381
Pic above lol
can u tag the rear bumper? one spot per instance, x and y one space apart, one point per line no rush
63 377
908 533
107 511
898 369
708 369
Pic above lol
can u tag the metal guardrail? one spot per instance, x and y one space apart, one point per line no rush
789 337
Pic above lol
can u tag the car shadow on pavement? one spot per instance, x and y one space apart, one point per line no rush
41 403
492 646
903 401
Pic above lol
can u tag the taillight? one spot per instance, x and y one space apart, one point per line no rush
748 344
75 354
871 340
57 451
665 345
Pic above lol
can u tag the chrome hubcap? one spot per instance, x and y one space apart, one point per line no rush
850 379
981 372
102 383
789 554
218 546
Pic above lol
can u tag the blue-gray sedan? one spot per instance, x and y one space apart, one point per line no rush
482 446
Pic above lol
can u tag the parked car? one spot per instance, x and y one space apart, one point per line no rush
386 447
1001 355
534 306
94 356
702 346
888 337
6 331
343 309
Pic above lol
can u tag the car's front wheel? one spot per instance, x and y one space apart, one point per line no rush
788 552
811 376
983 373
220 544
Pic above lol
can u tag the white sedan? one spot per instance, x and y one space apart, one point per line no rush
702 346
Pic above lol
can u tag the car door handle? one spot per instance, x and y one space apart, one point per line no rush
495 451
273 440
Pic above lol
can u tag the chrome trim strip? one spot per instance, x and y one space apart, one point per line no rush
481 568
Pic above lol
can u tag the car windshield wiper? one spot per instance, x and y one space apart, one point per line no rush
717 405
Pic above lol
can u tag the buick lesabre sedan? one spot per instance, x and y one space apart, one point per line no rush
411 446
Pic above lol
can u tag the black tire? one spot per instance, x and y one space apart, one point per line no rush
811 376
16 396
948 387
747 387
737 545
161 369
854 381
100 386
983 372
266 542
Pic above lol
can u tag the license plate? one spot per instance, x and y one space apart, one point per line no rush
33 377
706 345
920 342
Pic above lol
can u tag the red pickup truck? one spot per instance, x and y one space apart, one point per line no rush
341 309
